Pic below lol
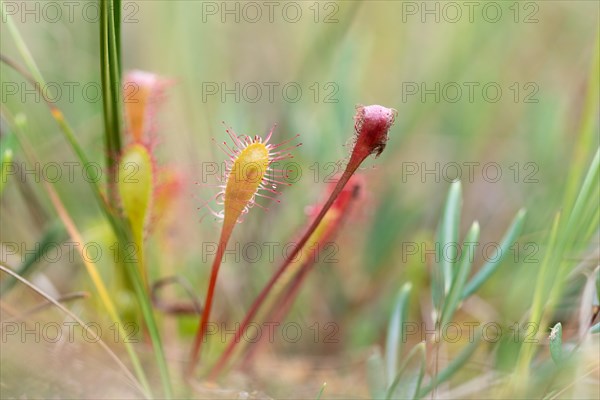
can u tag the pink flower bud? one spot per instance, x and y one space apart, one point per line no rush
372 124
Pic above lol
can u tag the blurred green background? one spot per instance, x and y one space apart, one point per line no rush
340 54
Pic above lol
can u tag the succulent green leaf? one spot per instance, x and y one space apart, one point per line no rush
491 266
556 344
394 336
376 375
447 243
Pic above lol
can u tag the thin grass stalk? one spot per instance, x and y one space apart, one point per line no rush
89 265
543 284
589 120
97 339
117 226
36 79
111 84
454 366
417 351
65 129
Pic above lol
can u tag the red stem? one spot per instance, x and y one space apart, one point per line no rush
195 353
277 312
287 298
355 160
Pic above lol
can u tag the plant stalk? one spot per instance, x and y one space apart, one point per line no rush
353 164
226 232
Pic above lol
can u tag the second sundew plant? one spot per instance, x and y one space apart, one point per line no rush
284 292
139 176
247 173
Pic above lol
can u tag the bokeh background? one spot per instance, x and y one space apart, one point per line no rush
340 54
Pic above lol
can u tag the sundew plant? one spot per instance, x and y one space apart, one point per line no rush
300 199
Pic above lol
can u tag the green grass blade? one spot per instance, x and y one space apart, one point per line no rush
588 189
36 77
376 375
117 7
111 89
114 63
589 120
8 144
544 281
53 235
84 325
90 266
462 273
583 218
406 382
321 391
394 340
594 222
456 364
110 33
6 158
598 286
21 46
115 222
490 267
148 313
595 328
448 239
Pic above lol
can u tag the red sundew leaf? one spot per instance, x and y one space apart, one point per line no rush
142 94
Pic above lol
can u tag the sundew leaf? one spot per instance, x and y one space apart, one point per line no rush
135 187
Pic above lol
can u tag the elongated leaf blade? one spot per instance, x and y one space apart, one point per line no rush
407 383
395 339
376 375
447 243
491 266
464 268
556 344
456 364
